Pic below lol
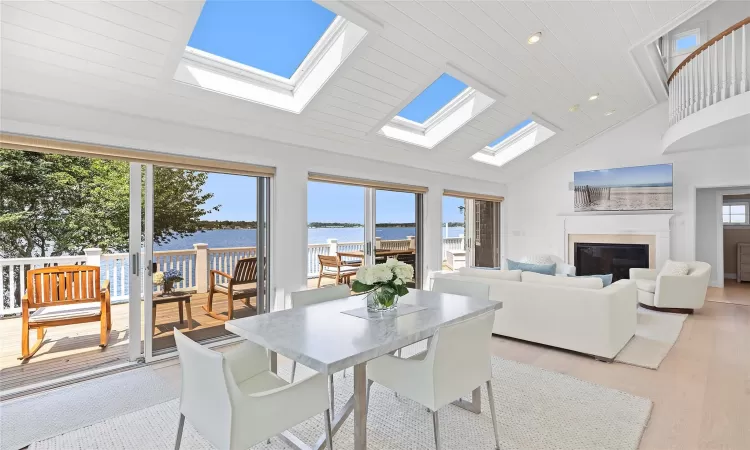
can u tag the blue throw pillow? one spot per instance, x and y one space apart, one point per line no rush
536 268
606 279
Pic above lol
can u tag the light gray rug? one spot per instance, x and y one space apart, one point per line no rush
537 409
46 414
655 335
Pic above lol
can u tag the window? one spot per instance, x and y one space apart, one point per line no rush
275 53
273 36
513 143
438 111
736 213
431 100
686 42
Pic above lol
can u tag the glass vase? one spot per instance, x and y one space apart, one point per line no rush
382 299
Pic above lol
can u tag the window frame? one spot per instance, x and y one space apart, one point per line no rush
745 203
698 32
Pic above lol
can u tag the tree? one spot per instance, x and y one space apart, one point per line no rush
57 204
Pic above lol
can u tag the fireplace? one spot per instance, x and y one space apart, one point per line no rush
617 259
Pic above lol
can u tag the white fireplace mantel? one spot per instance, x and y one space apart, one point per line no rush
657 225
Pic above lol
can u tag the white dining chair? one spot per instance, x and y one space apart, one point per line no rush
312 297
458 287
457 361
234 401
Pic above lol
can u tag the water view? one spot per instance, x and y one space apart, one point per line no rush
247 237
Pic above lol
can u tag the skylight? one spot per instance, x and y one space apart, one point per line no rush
513 143
273 36
432 99
509 133
274 53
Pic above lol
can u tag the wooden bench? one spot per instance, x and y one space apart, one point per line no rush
63 295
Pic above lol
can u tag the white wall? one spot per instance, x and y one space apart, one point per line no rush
706 229
289 229
535 202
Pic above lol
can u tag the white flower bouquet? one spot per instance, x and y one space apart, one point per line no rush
384 282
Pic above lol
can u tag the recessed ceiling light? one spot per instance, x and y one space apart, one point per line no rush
534 38
594 97
574 108
609 113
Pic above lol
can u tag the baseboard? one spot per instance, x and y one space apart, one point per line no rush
715 283
730 276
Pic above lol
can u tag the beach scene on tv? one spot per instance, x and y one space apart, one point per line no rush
624 189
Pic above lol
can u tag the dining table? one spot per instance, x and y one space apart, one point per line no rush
332 336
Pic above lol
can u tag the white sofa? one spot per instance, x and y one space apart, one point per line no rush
572 313
673 293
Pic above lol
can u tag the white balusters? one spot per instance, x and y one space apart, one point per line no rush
743 65
724 68
715 73
733 84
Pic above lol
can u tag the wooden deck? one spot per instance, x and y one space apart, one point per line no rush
73 349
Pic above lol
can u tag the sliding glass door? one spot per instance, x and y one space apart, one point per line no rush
350 225
204 255
478 245
398 229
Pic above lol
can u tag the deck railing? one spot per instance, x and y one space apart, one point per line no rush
716 71
194 265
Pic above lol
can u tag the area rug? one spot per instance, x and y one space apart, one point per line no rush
537 409
655 335
46 414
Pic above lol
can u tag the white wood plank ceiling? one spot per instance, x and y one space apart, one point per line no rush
121 56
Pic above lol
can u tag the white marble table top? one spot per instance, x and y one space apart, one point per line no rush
324 339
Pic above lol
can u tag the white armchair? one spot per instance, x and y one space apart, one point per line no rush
457 361
673 293
235 402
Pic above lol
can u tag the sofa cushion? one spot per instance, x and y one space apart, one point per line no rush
574 282
675 268
646 285
505 275
546 269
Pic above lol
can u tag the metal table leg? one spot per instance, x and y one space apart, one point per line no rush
475 405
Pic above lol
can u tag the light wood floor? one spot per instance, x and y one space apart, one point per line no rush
701 392
733 292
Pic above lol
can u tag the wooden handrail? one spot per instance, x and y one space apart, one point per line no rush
709 43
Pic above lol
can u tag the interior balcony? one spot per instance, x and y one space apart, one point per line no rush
709 95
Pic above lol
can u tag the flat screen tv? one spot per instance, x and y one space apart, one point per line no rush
624 189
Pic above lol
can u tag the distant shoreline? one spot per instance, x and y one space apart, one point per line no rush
207 225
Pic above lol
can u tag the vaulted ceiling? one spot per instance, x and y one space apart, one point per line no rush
121 56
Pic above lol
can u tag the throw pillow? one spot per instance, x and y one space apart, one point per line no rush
606 279
540 260
544 269
675 268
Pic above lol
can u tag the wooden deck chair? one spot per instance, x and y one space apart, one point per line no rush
333 267
63 295
242 284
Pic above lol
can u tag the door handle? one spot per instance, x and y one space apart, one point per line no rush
134 263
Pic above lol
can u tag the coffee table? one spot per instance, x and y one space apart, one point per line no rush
160 298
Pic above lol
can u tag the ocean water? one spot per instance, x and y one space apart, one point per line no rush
248 237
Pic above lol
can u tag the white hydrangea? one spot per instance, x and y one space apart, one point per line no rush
382 273
370 275
158 278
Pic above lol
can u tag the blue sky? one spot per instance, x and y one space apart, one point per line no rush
510 132
437 95
626 176
274 36
327 202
